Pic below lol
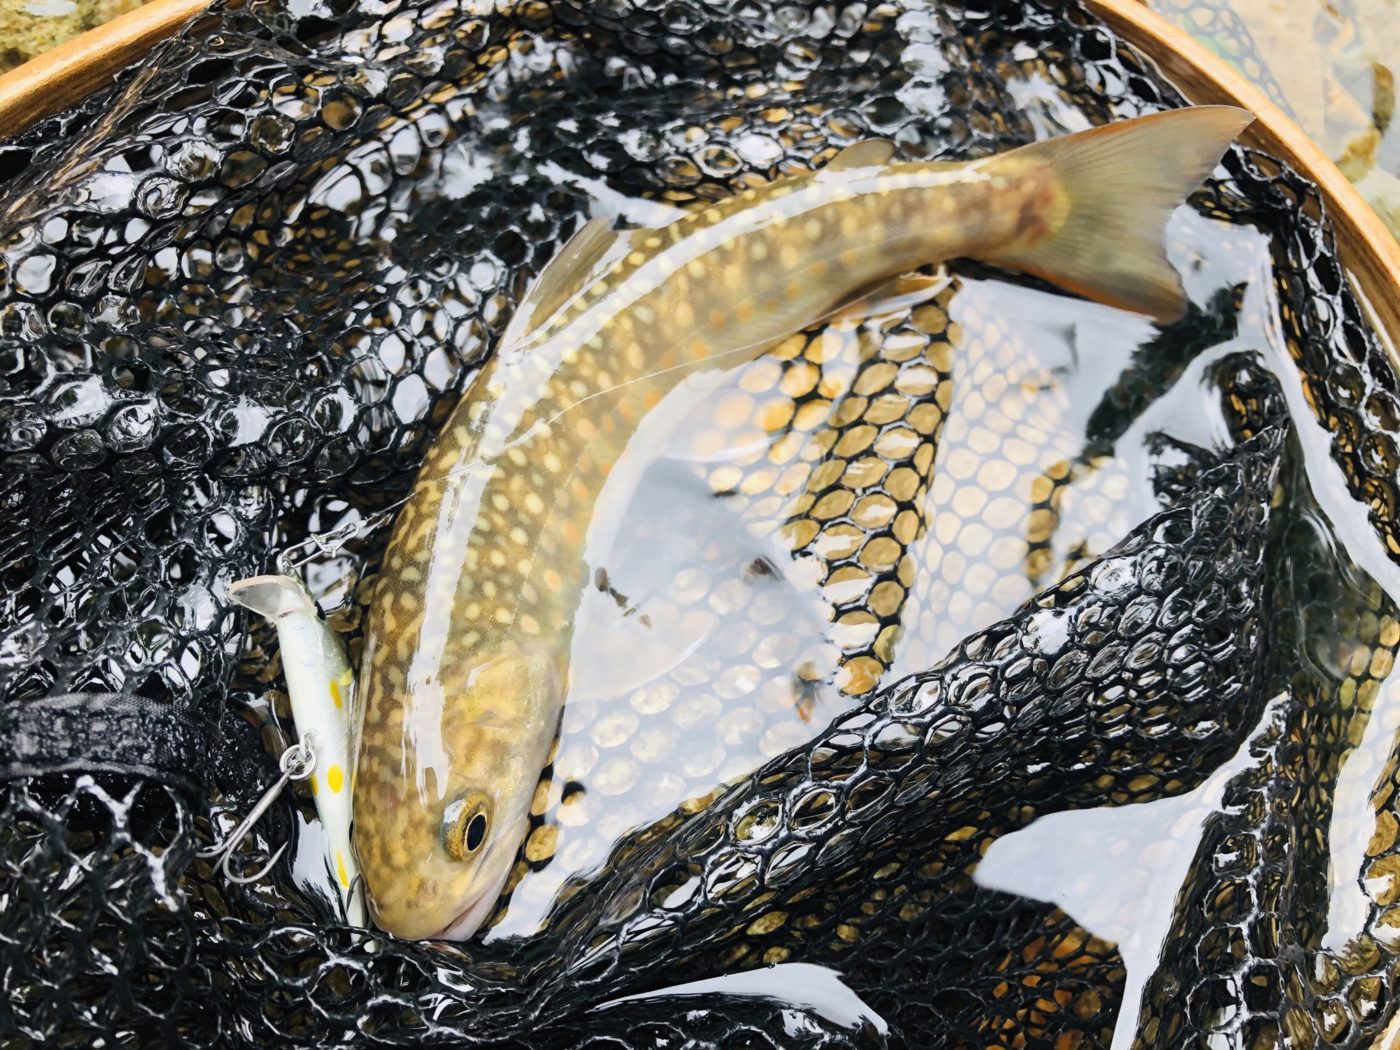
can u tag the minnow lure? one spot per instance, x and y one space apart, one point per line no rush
321 686
470 628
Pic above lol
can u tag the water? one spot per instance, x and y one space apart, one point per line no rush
1142 853
744 594
816 988
729 621
1331 64
740 648
708 645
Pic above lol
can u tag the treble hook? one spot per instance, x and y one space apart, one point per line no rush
357 883
297 763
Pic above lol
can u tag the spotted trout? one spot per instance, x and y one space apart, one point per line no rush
467 646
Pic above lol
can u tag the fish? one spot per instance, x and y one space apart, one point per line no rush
466 659
321 687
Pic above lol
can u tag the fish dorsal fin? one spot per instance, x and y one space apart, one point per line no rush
563 277
868 153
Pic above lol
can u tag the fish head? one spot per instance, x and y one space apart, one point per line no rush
442 806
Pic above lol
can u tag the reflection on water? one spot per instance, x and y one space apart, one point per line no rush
1334 649
1331 63
816 988
806 527
1142 855
817 523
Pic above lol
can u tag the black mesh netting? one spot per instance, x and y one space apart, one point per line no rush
239 290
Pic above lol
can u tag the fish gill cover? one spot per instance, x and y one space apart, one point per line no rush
243 286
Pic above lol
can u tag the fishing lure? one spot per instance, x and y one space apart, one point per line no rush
321 685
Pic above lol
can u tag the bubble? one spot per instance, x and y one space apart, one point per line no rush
78 401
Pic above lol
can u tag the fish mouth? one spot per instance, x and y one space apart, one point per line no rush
467 922
470 918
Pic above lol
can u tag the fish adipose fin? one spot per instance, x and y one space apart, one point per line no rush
1118 185
868 153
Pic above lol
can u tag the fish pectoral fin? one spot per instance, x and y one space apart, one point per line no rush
563 277
868 153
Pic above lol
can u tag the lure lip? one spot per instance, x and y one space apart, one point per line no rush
272 596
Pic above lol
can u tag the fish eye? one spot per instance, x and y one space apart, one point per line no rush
465 823
476 831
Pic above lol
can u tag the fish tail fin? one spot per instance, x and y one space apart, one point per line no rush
1117 185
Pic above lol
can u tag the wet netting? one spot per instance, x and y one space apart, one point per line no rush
241 288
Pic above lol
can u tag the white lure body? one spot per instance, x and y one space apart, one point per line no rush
321 685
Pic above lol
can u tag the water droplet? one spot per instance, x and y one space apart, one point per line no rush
78 401
756 822
192 159
160 197
1113 576
22 646
21 427
33 275
188 446
270 133
790 20
340 110
132 427
758 151
244 422
1046 632
425 61
81 450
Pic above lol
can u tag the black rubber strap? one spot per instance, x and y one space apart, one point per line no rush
107 733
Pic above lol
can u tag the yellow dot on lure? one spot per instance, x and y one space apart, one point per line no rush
340 870
335 693
335 777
